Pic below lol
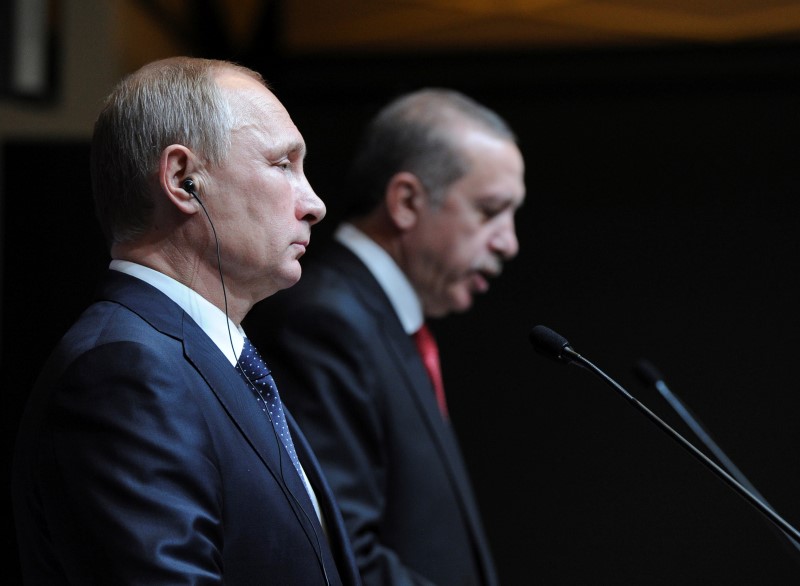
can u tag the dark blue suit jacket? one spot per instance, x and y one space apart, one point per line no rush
357 386
143 458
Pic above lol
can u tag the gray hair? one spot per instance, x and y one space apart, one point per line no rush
414 133
171 101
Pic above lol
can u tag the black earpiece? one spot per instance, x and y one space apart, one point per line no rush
188 186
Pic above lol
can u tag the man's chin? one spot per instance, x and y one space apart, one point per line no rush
457 300
290 278
461 304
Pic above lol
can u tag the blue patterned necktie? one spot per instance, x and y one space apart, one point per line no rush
255 371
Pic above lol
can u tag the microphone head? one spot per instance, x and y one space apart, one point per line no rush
647 373
548 343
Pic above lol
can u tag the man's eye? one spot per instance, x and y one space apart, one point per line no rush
490 212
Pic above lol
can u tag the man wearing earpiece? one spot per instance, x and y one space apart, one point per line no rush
155 448
435 186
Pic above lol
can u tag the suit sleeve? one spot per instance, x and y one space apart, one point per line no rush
130 451
325 363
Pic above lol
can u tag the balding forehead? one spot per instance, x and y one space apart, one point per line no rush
253 102
254 105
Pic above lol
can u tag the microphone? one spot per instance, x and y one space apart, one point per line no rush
552 345
548 343
651 376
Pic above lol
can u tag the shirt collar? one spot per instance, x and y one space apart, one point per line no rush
227 336
391 278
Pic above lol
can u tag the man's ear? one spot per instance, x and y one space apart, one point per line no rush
176 164
405 198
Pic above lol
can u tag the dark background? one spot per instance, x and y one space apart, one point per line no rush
660 223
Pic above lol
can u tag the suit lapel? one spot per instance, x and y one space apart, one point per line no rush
405 352
237 400
420 389
336 531
223 380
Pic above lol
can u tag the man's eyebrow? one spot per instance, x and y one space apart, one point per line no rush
297 147
291 148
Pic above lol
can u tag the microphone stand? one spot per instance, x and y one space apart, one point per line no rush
568 353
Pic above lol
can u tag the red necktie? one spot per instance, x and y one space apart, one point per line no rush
429 351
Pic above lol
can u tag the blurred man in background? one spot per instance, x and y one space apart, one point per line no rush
434 187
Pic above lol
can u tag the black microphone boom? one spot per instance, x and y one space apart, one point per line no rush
651 376
550 344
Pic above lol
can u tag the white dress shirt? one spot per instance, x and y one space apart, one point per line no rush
392 280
